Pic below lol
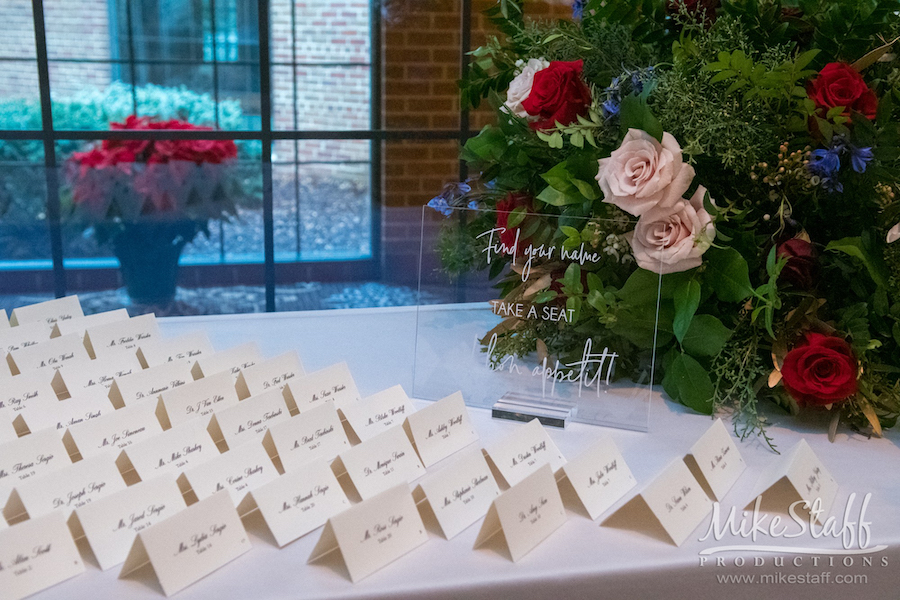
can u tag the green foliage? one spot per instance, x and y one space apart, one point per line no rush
688 382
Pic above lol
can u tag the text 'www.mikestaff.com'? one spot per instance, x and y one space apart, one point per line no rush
781 578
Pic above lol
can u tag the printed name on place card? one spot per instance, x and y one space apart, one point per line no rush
149 383
23 336
298 502
441 428
238 471
29 457
524 451
459 494
249 419
70 380
62 414
109 339
111 523
48 313
234 360
191 544
374 533
378 412
198 398
716 461
51 355
187 347
333 383
525 514
113 432
316 434
174 450
270 374
37 554
28 394
382 462
599 477
80 325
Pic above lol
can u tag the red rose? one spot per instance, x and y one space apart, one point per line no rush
504 207
839 84
802 268
820 371
557 94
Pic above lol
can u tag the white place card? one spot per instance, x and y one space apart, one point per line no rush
80 325
109 339
599 477
113 432
23 336
524 451
333 383
50 355
174 450
238 471
715 460
459 494
8 431
198 398
299 502
111 523
250 419
62 414
234 360
187 347
374 533
270 374
70 380
441 428
525 514
376 413
382 462
30 457
673 504
316 434
797 475
21 393
191 544
35 555
65 490
149 383
47 313
4 320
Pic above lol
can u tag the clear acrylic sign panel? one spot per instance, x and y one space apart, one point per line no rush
486 335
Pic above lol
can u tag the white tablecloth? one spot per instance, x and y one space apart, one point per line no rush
581 559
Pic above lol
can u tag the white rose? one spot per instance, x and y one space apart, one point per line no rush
520 87
671 239
642 173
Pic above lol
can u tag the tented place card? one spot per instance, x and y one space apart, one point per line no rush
234 360
298 502
313 435
374 533
50 355
673 504
149 383
62 414
249 419
524 451
111 523
23 336
4 320
36 555
198 399
48 313
459 494
441 428
384 461
109 339
80 325
20 394
65 490
333 383
188 347
70 380
174 450
524 515
191 544
238 471
378 412
797 475
8 431
599 477
715 460
270 374
30 457
113 432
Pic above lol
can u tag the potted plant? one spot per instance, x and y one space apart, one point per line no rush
148 199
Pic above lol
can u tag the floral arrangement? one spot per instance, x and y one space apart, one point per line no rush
734 161
133 179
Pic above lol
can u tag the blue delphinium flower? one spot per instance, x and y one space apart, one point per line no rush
453 195
473 205
613 98
439 203
860 158
578 8
825 162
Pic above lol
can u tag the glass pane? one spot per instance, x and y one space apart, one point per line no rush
20 101
79 30
24 231
16 29
315 97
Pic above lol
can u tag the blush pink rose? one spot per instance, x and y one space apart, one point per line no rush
673 238
643 172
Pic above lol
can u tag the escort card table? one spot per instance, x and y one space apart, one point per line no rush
579 560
